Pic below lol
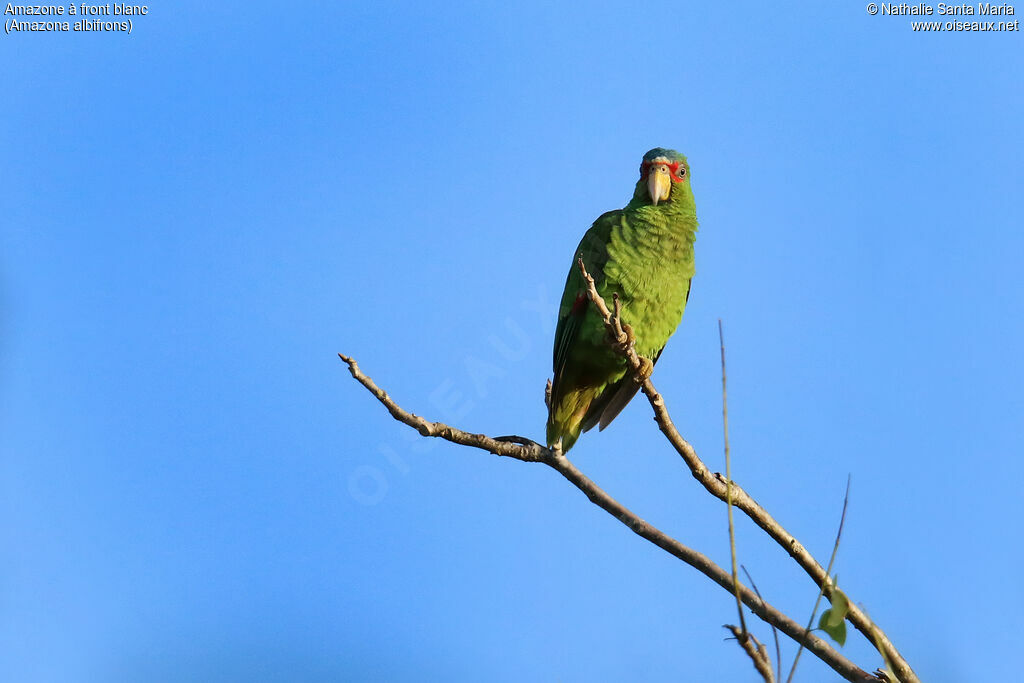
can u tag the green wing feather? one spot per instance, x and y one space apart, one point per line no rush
578 377
594 250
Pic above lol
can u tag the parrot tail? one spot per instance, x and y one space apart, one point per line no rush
567 413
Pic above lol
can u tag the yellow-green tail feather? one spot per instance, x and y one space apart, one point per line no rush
565 420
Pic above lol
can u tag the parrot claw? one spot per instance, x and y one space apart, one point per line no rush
630 335
645 371
622 341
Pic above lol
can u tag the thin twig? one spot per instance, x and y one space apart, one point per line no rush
714 484
728 484
527 450
758 653
835 549
775 631
754 649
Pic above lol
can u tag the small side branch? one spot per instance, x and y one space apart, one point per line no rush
775 631
728 485
828 572
757 652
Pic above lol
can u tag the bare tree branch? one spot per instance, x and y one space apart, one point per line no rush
524 449
715 484
758 653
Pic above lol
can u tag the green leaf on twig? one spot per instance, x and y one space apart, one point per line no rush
837 632
833 620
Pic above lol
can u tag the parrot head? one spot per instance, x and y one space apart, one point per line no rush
661 172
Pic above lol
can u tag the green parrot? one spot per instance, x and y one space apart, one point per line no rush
644 253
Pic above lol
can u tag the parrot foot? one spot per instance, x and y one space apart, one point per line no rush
630 335
645 371
622 338
620 335
621 341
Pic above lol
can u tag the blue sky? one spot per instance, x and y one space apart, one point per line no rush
198 216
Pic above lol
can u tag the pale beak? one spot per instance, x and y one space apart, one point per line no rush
659 184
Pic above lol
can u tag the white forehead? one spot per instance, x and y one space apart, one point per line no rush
660 160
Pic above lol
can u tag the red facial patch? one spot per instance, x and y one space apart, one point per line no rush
676 169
